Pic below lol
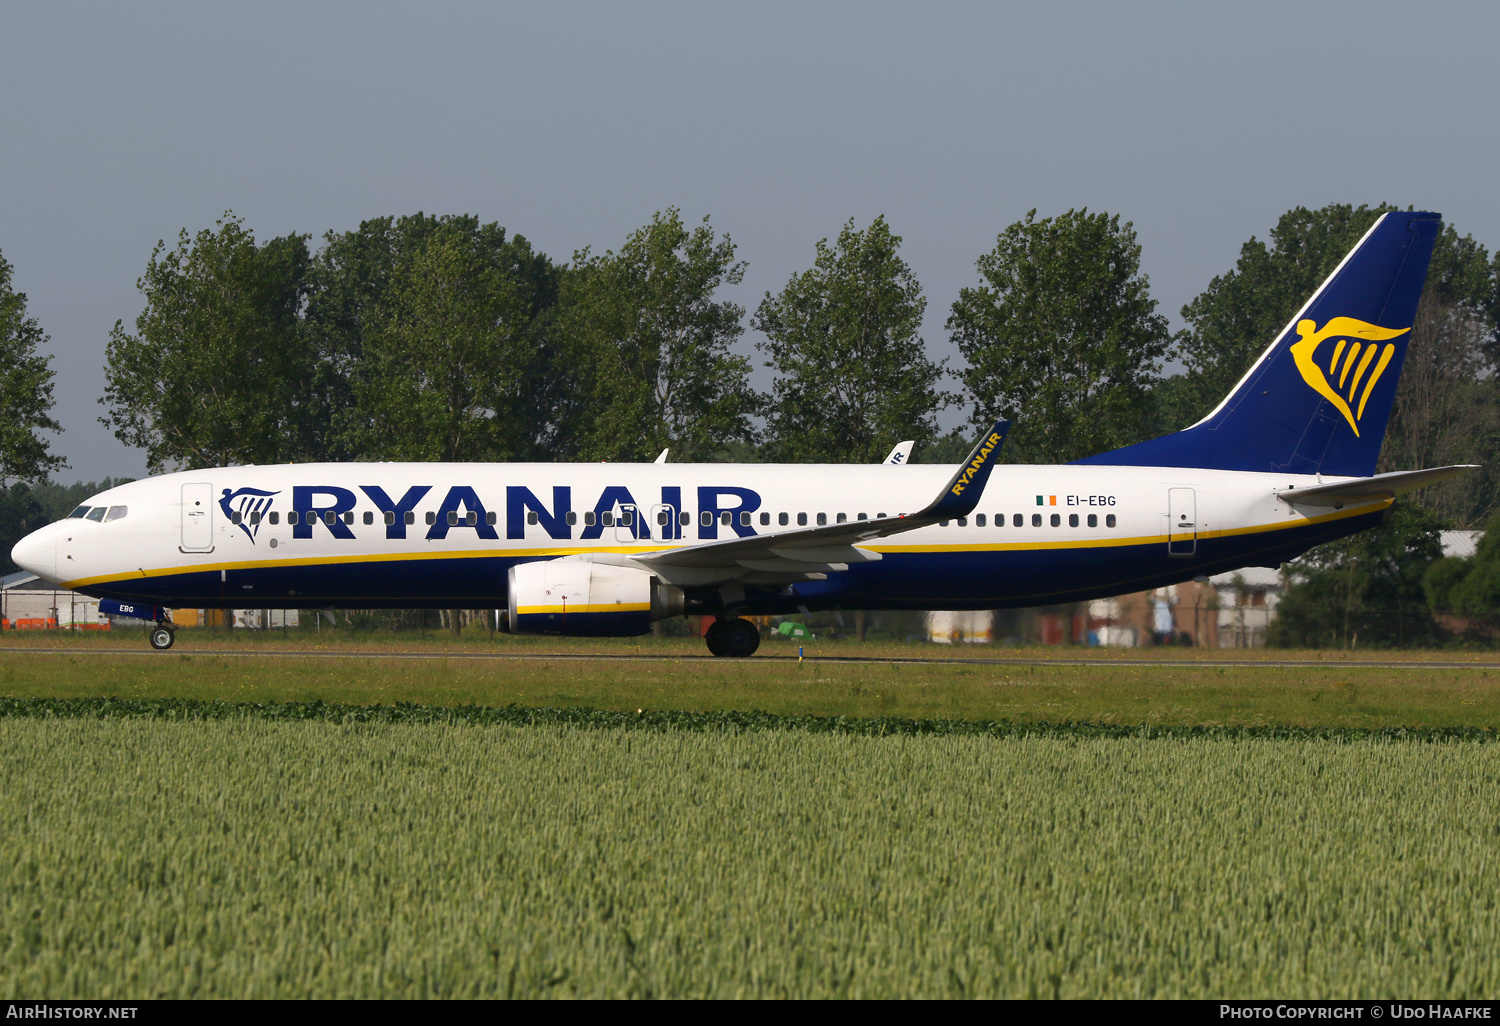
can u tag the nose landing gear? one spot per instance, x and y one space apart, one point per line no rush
162 636
734 637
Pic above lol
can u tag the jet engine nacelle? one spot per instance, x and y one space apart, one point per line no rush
579 597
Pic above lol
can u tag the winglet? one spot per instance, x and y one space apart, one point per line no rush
662 458
961 494
901 454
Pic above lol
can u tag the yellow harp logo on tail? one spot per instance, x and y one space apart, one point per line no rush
1357 346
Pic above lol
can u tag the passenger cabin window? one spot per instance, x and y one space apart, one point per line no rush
349 517
410 517
390 517
431 518
744 519
234 518
589 518
1036 520
1109 521
765 520
1072 519
275 517
684 518
706 518
841 518
532 518
864 516
662 517
726 518
801 519
1018 520
943 523
783 519
291 516
97 513
330 517
78 513
607 518
369 517
489 517
963 521
822 519
254 518
978 519
1093 520
1056 520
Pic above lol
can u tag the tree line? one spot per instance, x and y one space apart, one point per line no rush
429 337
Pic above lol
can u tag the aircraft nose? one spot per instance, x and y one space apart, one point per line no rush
37 553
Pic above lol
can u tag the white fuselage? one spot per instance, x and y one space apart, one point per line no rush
1039 534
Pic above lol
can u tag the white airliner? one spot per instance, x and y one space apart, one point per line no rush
1284 463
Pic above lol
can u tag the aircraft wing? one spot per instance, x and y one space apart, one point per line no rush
811 553
1370 489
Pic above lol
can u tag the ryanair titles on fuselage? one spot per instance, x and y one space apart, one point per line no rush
461 508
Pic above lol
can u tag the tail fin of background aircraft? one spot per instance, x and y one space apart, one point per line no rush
1317 401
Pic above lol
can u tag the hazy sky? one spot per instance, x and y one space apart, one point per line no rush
572 123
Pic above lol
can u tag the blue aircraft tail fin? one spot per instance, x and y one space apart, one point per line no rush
1318 399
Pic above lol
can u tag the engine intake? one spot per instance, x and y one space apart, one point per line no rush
582 598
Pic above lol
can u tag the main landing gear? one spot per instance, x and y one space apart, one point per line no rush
162 636
733 637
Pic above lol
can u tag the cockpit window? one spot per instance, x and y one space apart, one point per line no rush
80 511
115 513
97 513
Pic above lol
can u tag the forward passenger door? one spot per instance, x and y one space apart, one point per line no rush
198 517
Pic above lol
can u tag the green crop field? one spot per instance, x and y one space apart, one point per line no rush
248 816
1187 693
180 850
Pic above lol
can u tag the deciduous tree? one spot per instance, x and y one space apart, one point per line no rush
1469 587
1365 591
1061 336
218 371
25 390
25 411
652 343
844 337
431 330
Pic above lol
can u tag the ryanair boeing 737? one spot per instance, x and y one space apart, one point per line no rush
1285 462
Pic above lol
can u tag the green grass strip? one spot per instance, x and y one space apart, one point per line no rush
169 709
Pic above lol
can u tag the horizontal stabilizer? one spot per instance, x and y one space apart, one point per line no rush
1371 489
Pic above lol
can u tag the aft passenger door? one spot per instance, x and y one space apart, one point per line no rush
1182 526
198 517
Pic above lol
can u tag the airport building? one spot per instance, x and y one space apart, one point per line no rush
1232 610
29 603
1225 611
